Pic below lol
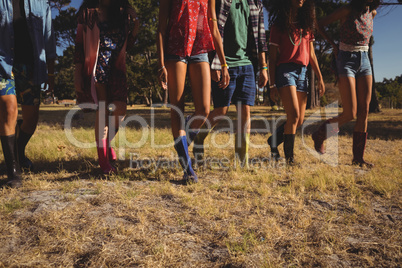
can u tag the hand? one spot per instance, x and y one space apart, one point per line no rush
263 78
224 79
273 94
78 83
216 75
163 78
49 85
321 87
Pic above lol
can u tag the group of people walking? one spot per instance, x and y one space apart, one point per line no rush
221 44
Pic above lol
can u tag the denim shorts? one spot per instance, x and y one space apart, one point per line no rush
21 84
241 88
203 57
353 64
291 74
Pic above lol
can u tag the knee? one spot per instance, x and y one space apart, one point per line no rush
11 112
293 118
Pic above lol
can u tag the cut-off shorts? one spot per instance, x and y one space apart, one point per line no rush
241 88
353 64
21 84
203 57
292 74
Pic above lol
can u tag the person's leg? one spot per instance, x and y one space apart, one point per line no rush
347 90
8 118
102 129
302 100
176 80
221 98
291 105
24 130
200 79
116 117
363 91
242 137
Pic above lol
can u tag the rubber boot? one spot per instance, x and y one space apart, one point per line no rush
241 149
180 144
106 167
325 131
288 147
111 153
13 169
275 140
22 139
198 148
359 146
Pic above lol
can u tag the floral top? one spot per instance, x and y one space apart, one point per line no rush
357 29
188 29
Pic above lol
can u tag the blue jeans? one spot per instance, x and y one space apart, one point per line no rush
241 88
203 57
353 64
292 74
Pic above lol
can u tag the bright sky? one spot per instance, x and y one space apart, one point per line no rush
387 50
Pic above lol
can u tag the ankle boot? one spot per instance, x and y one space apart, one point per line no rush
359 146
275 140
288 147
22 138
13 169
102 148
325 131
180 144
241 149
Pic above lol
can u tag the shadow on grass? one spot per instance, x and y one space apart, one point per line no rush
88 169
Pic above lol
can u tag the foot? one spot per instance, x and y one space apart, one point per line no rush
362 163
112 155
189 179
26 164
14 177
318 143
107 168
290 162
198 152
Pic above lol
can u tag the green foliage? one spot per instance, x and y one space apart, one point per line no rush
64 80
389 92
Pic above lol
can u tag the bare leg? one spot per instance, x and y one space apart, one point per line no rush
291 105
176 80
200 77
347 89
363 91
302 99
8 114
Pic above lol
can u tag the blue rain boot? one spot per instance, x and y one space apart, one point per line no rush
180 144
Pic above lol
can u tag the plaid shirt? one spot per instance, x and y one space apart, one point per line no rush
257 22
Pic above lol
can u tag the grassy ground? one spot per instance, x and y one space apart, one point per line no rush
323 212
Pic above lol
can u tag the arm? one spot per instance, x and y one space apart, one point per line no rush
273 56
50 40
263 72
262 48
339 14
164 9
316 69
216 36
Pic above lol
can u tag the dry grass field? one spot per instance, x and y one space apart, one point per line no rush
324 212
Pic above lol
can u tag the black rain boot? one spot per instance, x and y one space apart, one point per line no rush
13 169
22 139
288 147
275 140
